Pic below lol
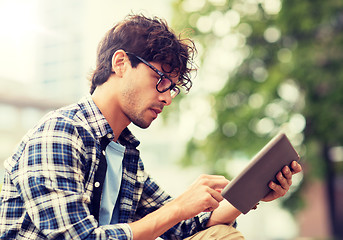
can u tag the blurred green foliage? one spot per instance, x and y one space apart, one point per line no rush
289 75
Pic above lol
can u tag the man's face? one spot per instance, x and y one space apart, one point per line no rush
141 102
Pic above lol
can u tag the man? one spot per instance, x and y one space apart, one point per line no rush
78 174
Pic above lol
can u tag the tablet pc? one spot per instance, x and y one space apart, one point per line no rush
251 185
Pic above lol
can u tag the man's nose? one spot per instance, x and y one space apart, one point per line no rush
166 98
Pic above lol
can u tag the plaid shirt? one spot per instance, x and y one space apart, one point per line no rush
51 182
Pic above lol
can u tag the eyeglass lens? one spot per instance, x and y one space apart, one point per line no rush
165 84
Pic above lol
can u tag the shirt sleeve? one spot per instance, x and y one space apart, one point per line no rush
153 197
50 178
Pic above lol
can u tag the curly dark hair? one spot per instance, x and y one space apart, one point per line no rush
151 39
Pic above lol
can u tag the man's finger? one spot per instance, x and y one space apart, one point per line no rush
284 182
213 181
280 191
216 195
296 167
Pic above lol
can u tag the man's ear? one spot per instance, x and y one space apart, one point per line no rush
120 62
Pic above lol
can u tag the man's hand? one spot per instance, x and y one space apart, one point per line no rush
202 195
285 181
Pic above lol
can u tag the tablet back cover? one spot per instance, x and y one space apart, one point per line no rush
251 185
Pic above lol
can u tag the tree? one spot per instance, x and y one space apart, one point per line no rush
287 76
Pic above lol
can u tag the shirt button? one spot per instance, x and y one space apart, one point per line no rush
109 135
104 152
96 184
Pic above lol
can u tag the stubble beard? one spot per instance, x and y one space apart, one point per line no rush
134 115
139 122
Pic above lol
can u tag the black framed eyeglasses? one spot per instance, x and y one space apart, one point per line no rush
164 82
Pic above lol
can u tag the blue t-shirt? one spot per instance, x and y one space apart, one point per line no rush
109 208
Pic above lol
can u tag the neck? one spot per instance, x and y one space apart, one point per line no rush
109 107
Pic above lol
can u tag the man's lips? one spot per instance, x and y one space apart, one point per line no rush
156 111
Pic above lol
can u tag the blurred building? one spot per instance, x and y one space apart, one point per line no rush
56 58
60 51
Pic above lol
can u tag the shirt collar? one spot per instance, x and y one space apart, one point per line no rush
100 127
126 137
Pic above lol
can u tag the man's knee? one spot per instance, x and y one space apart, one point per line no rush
218 232
225 232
